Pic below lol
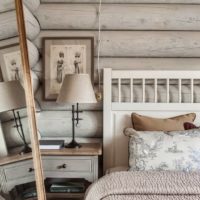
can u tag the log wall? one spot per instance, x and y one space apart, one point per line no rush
8 24
7 5
136 34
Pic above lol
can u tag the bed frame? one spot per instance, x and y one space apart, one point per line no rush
117 114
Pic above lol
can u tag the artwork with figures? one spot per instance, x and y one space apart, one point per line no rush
10 61
65 56
66 59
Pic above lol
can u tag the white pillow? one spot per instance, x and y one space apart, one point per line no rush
176 150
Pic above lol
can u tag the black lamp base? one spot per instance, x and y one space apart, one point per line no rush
26 149
73 144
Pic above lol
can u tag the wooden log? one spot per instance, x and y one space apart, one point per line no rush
48 122
53 106
146 64
9 41
149 63
35 82
8 25
119 17
33 53
32 5
124 1
38 70
32 49
137 43
3 145
12 137
132 64
8 116
7 5
90 126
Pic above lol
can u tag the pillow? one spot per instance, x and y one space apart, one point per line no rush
176 150
144 123
188 126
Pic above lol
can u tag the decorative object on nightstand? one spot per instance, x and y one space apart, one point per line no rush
76 88
51 144
12 98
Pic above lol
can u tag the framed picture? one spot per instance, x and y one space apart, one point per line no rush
10 62
65 56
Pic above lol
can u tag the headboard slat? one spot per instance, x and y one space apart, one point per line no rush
180 90
192 90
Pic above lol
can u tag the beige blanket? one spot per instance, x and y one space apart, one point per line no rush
146 186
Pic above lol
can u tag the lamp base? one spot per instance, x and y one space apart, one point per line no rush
73 144
26 149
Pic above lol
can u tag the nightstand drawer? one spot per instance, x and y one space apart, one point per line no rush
67 164
19 170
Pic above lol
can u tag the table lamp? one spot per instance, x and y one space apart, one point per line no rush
76 88
13 97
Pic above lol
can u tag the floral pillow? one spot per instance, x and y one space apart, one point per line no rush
158 150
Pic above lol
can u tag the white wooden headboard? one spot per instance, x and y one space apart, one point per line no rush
117 114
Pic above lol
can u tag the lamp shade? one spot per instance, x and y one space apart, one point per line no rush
12 96
76 88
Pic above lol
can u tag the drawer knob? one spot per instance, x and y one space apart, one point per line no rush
30 169
64 166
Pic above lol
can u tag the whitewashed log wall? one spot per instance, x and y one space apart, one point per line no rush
7 5
9 36
136 34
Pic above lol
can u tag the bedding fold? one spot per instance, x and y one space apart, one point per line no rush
135 185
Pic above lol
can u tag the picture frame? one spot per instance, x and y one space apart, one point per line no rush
10 63
66 55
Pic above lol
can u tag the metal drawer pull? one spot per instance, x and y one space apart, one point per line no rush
64 166
31 169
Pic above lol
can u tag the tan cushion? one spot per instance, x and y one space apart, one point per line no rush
144 123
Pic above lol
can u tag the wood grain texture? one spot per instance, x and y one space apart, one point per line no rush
124 63
146 64
33 53
29 95
32 5
87 149
9 41
3 146
124 1
138 43
7 5
90 126
8 25
127 17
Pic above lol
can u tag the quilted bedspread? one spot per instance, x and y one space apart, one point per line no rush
146 185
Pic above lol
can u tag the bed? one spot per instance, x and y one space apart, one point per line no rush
152 93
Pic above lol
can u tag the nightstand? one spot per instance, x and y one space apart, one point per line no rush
64 163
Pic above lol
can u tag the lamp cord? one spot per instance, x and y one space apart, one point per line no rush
99 45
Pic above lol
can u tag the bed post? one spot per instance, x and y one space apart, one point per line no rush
107 120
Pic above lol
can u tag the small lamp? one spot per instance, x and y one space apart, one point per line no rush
12 98
76 88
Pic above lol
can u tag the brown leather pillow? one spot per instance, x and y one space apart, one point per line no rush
144 123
